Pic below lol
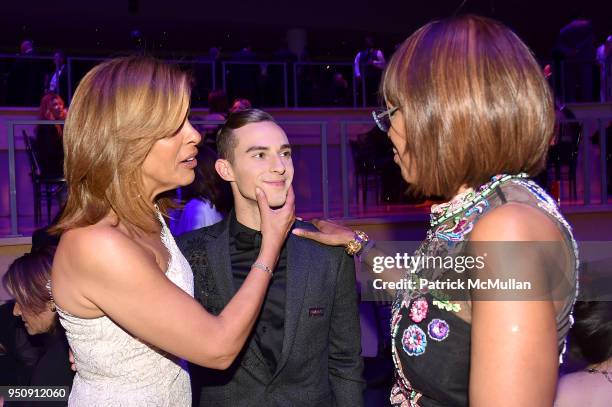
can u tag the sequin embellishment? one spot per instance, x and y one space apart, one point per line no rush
447 305
418 309
414 341
438 329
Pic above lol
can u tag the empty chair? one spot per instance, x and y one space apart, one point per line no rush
46 187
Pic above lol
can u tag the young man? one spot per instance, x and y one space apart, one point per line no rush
305 348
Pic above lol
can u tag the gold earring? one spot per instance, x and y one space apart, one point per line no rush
52 306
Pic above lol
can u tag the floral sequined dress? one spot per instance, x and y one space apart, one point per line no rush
116 369
431 342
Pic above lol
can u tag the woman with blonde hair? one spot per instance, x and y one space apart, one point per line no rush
470 116
123 290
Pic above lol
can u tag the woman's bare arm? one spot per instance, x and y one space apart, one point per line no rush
514 355
120 278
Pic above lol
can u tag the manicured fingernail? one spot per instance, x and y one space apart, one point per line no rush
257 191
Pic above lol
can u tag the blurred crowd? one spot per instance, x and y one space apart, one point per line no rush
579 68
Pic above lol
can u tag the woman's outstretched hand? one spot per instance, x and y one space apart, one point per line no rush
275 223
330 233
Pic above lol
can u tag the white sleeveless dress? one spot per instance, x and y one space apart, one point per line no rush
116 369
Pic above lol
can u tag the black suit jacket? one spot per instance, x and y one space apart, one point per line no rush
63 83
320 363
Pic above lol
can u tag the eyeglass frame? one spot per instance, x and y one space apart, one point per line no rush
379 114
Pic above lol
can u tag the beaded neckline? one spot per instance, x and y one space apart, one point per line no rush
460 203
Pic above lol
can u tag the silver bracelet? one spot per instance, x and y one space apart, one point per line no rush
262 266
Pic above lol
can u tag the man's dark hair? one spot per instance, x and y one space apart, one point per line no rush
591 336
226 139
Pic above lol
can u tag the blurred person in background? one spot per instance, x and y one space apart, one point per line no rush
604 59
48 140
590 341
218 110
57 81
368 66
240 104
27 280
574 55
25 79
26 48
207 200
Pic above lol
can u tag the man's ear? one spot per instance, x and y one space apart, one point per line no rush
224 169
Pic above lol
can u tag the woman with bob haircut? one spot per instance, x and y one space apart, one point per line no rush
590 340
27 280
123 290
470 116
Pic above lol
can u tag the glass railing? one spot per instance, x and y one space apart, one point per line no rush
341 171
281 84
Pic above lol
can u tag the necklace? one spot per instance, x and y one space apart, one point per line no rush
462 202
607 374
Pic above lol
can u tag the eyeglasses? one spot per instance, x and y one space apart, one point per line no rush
382 118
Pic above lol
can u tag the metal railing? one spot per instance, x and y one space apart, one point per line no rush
298 77
573 80
287 85
584 149
580 73
77 67
73 80
11 124
259 74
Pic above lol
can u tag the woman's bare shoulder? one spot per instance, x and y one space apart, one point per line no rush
92 237
92 247
90 260
515 222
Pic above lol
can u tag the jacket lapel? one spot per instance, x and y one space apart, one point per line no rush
219 261
218 250
297 276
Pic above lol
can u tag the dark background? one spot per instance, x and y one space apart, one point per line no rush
185 28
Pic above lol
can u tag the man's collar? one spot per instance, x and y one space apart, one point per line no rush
236 227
